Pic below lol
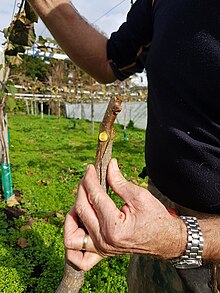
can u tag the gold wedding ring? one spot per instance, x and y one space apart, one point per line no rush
85 241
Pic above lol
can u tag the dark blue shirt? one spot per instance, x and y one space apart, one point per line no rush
183 69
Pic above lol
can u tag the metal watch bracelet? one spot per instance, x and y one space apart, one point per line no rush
192 257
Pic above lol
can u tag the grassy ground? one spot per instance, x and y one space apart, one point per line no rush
48 159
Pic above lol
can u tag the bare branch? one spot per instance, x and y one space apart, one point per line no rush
73 279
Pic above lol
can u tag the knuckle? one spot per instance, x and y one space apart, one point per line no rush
67 243
121 181
68 256
79 208
95 200
86 267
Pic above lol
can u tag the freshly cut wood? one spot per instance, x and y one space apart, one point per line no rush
105 140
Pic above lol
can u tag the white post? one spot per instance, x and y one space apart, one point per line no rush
81 106
32 107
27 107
42 109
59 110
35 107
92 113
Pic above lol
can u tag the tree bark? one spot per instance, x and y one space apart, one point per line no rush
73 278
105 140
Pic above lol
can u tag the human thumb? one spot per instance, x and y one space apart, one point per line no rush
118 183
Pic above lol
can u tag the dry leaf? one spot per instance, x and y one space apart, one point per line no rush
120 166
29 173
18 195
134 169
22 242
28 203
45 220
30 221
43 182
58 215
12 201
74 192
134 180
27 225
24 228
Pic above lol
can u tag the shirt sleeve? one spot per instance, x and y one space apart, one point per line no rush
128 47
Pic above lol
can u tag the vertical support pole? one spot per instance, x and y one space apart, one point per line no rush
32 107
81 107
27 107
125 121
92 113
35 108
42 109
49 110
59 110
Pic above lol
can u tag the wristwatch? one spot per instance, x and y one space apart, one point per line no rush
192 257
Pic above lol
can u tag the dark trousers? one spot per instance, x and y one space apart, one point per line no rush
150 275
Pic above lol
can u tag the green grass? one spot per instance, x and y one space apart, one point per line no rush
48 159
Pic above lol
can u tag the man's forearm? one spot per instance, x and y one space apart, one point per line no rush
211 234
85 46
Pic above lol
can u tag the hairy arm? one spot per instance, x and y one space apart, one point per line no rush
85 46
211 232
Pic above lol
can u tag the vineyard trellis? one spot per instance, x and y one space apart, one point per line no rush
72 94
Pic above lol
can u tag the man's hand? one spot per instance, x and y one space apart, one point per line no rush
142 225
